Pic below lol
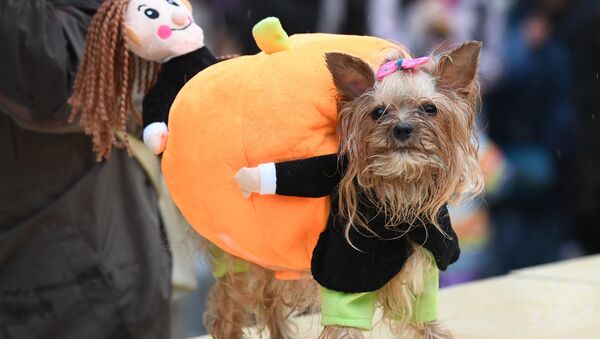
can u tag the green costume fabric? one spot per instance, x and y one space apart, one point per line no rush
425 308
347 309
221 265
357 309
426 304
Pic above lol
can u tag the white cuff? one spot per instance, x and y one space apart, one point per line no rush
268 178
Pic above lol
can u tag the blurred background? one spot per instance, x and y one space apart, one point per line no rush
540 112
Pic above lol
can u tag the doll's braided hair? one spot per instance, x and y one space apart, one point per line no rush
103 89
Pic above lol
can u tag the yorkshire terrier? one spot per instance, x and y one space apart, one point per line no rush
408 147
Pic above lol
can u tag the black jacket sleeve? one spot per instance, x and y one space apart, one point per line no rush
41 43
171 78
445 249
312 177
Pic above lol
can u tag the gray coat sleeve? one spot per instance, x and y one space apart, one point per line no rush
41 43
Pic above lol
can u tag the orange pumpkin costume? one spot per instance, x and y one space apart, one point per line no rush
251 110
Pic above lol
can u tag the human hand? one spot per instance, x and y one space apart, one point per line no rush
248 178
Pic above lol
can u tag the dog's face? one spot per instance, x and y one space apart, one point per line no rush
410 137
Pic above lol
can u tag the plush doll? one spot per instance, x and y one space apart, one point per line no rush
153 45
399 147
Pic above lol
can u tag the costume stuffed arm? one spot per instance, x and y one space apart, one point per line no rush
310 178
319 176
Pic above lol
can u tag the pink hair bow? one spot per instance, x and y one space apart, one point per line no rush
400 64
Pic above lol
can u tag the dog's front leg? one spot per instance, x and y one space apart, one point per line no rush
410 299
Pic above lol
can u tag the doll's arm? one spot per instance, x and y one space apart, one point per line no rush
157 103
445 248
311 178
172 77
155 108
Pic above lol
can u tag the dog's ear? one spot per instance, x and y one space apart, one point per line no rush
352 76
457 69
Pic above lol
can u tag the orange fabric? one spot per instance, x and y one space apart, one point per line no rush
251 110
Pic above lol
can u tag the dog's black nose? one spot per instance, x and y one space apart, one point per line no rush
402 131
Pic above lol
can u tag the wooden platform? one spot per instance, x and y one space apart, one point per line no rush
560 300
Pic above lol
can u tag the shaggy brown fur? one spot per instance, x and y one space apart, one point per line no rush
256 298
410 179
338 332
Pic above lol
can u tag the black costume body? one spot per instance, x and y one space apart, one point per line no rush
337 265
172 77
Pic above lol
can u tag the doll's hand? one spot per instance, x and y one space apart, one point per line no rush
155 137
248 178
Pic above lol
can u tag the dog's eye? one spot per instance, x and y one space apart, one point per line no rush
172 2
430 109
377 113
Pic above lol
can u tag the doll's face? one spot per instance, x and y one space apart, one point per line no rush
159 30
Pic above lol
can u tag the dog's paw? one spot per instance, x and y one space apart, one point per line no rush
155 137
339 332
430 330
